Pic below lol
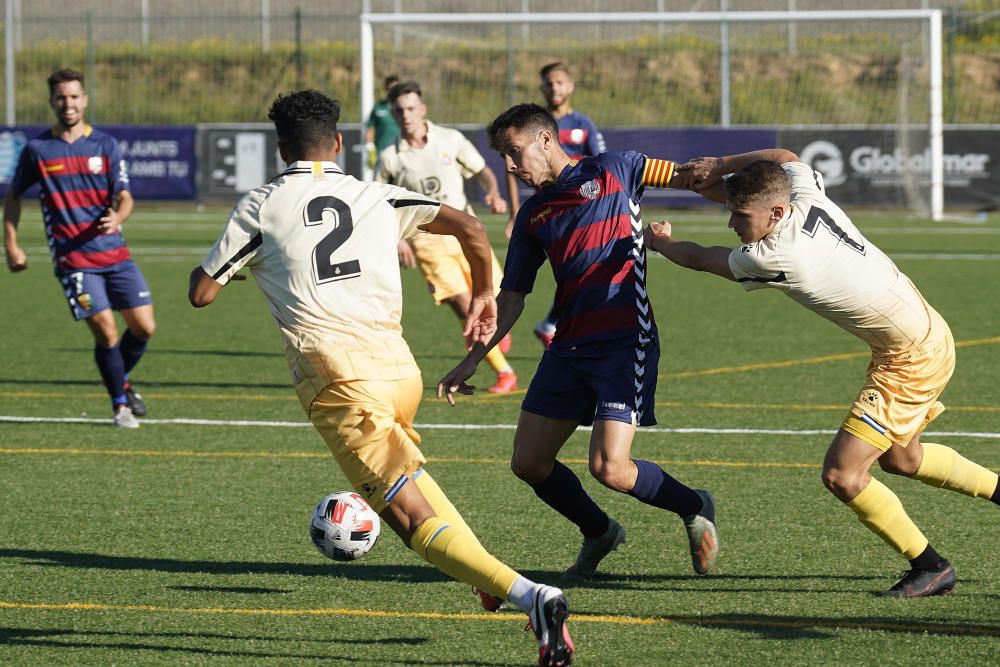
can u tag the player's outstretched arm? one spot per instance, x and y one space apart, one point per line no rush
202 290
715 259
481 320
510 305
17 260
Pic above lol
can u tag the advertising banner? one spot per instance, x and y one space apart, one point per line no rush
886 167
160 159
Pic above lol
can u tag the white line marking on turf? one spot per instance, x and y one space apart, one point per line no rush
15 419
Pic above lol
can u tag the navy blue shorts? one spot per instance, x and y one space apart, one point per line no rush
616 382
88 293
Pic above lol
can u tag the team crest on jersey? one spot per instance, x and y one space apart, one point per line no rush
86 301
445 159
95 164
590 189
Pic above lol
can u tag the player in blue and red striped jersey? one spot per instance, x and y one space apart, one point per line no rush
601 367
85 199
578 136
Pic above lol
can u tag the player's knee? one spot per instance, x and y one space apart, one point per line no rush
527 471
611 474
144 330
897 467
842 483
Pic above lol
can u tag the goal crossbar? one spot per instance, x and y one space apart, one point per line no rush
932 16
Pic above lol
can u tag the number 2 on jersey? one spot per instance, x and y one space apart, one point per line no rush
326 270
818 215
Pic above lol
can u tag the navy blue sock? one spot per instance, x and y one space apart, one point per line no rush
657 488
132 348
109 362
563 492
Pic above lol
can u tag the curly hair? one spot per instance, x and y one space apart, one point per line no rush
305 120
760 182
524 118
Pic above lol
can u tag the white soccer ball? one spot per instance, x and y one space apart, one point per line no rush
344 526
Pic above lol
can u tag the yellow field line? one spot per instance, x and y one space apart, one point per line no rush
841 624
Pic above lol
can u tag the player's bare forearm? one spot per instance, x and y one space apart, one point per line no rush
17 260
202 289
488 181
510 305
715 259
729 164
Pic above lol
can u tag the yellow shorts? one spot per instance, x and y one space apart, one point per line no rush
901 395
368 425
448 274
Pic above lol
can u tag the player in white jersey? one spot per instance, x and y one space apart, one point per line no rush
798 241
322 247
437 161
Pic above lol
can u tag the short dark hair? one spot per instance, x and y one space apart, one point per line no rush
553 67
389 80
305 119
64 75
760 182
521 117
402 88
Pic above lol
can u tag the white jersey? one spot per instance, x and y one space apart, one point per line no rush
818 257
439 170
322 248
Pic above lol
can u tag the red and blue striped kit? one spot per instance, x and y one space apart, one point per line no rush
79 182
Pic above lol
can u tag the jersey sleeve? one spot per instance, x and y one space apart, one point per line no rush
469 158
595 140
117 168
240 240
384 175
26 173
524 256
629 168
754 267
412 209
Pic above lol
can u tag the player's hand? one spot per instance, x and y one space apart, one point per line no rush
496 203
454 382
407 258
481 322
654 231
371 155
17 260
701 172
110 222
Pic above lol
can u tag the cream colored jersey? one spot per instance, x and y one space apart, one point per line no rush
818 257
322 248
438 170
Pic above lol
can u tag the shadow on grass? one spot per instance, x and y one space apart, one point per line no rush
353 571
132 641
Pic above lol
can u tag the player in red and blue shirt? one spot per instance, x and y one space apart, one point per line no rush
83 185
601 367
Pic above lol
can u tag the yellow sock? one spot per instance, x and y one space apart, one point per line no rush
883 513
456 552
438 501
943 467
497 361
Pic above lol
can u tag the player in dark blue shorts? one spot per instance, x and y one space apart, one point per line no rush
601 366
85 199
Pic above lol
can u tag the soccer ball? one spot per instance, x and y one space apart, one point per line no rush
344 526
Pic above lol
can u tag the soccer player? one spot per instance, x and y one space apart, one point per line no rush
795 239
578 136
322 247
601 366
382 129
436 161
85 200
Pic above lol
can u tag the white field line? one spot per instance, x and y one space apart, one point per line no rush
15 419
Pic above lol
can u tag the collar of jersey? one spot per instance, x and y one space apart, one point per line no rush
87 131
405 145
307 167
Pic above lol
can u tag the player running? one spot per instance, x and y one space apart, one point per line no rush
322 247
795 239
85 200
601 366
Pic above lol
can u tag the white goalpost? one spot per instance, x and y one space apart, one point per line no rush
894 56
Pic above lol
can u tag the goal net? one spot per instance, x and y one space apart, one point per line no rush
829 70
